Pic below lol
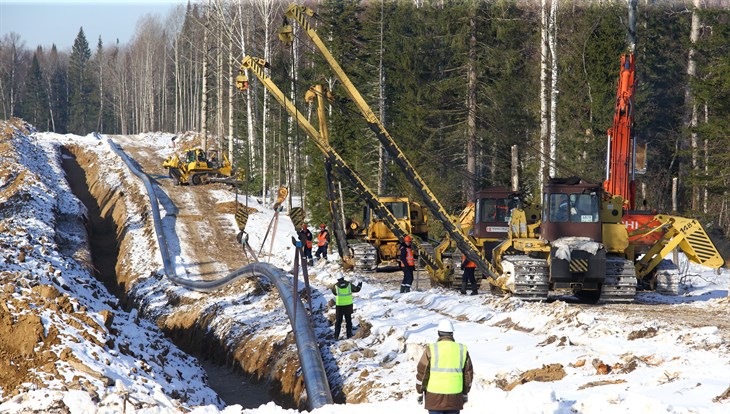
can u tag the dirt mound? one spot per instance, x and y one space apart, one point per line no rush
25 346
548 373
230 207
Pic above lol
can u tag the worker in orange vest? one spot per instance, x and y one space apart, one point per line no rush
407 261
305 236
323 242
468 276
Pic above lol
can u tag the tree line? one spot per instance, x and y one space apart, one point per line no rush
457 84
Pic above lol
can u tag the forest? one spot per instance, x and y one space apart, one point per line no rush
456 83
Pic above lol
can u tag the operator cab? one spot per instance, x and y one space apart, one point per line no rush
493 212
571 208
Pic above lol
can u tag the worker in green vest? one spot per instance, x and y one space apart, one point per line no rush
343 304
444 373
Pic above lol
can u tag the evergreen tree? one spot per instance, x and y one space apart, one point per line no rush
58 91
35 102
81 109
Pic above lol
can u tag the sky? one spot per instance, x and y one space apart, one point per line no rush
53 21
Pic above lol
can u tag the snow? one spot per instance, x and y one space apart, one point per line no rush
680 369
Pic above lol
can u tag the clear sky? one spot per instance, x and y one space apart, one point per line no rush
53 21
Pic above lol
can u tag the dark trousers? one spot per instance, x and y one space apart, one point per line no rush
444 412
321 250
405 285
467 278
307 252
345 311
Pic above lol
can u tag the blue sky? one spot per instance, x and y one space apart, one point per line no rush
47 22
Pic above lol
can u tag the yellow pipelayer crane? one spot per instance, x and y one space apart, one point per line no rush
437 269
451 224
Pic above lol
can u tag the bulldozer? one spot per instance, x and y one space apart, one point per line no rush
374 243
195 167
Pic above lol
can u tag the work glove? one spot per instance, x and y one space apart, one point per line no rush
359 284
466 398
420 399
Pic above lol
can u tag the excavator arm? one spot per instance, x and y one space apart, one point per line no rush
620 152
438 270
301 14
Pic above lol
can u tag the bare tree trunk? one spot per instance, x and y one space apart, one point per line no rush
219 85
471 117
204 99
690 99
382 153
544 114
552 35
231 62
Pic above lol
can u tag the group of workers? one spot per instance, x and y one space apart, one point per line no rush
444 372
407 262
323 242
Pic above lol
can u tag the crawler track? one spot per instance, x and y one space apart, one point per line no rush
365 256
531 278
620 283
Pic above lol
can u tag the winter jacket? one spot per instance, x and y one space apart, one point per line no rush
442 402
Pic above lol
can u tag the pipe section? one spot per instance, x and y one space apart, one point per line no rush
315 376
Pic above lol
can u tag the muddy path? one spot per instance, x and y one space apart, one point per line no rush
205 227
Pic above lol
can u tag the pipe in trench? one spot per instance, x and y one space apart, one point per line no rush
315 376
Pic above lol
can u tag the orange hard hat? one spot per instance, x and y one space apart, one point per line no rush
407 239
304 225
322 225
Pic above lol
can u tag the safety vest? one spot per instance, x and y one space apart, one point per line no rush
469 263
322 238
409 257
447 368
309 244
344 295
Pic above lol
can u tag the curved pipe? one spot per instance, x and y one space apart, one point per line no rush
315 376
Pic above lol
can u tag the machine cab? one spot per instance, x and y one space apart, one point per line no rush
571 208
493 212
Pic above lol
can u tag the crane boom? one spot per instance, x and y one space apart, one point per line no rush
470 250
256 65
620 155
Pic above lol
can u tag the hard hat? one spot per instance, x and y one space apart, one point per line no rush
445 326
304 225
407 239
322 225
340 276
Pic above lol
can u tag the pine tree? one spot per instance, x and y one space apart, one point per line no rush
35 102
81 119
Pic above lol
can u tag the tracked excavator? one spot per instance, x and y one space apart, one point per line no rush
653 235
398 227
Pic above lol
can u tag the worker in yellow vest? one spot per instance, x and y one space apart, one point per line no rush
444 373
343 304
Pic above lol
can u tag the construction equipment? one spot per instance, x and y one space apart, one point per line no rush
654 235
256 65
196 167
376 232
451 224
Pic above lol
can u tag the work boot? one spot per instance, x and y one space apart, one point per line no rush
474 292
402 289
310 262
406 289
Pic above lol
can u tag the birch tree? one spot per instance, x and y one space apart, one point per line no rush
690 102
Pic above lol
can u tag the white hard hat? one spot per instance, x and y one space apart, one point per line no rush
446 326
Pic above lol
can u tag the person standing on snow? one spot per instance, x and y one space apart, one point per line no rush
468 277
407 261
323 242
305 236
444 373
343 304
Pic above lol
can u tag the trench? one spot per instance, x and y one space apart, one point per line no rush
105 239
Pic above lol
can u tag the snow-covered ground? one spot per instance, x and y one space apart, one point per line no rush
592 359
